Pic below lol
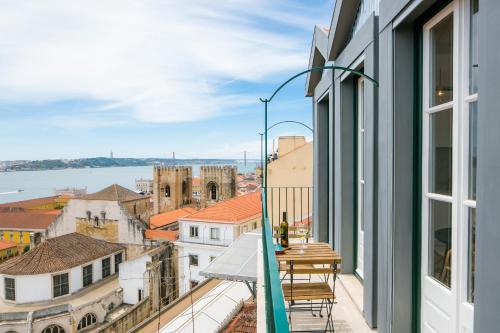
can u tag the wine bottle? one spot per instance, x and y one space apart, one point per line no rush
284 231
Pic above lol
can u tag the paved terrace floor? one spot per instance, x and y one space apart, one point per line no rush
88 295
347 315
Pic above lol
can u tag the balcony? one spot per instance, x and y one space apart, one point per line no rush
274 276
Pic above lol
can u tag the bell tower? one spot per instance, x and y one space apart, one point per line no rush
217 183
172 187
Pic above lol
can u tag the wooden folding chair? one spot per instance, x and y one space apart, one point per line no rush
316 294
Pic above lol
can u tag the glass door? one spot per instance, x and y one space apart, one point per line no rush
439 172
360 225
469 162
449 160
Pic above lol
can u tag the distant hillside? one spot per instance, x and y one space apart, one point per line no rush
102 162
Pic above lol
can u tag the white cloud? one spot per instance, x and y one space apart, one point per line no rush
158 61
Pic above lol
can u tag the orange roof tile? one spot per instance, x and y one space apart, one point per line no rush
196 181
234 211
162 234
161 220
26 220
31 202
5 244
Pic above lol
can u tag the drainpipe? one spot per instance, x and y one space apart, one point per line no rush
29 322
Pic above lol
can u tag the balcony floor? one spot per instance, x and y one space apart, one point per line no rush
347 315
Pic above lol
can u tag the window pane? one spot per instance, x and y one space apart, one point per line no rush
87 275
472 254
361 210
106 267
441 152
118 261
473 61
440 241
10 289
361 156
472 150
441 62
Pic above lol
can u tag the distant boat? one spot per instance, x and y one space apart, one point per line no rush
11 192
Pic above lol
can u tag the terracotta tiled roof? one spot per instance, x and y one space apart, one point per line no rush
114 192
58 254
161 220
30 203
236 210
245 321
27 220
196 181
5 244
162 235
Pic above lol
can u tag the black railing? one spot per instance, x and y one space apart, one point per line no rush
295 201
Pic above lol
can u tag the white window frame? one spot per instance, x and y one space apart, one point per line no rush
217 233
459 198
194 231
360 179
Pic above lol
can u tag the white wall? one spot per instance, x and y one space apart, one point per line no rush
226 233
128 233
203 252
132 278
38 288
33 288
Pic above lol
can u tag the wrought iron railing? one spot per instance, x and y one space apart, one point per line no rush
276 320
296 202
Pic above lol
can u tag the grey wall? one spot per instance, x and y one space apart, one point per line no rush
370 200
487 294
344 174
404 178
397 179
384 175
321 169
364 43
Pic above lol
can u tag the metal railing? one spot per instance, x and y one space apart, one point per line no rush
276 320
296 202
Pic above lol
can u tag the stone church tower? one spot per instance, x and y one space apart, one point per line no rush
217 183
172 187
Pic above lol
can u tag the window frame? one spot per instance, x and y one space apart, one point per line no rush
117 265
217 232
85 275
192 258
93 321
53 277
466 202
194 228
50 329
107 259
13 289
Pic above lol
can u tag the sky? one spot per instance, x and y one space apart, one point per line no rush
151 77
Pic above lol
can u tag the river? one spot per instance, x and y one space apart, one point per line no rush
35 184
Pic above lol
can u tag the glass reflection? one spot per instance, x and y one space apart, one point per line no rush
441 66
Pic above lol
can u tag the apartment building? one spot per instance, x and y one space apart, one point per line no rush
207 233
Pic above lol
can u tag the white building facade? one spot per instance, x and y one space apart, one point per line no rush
65 284
206 234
